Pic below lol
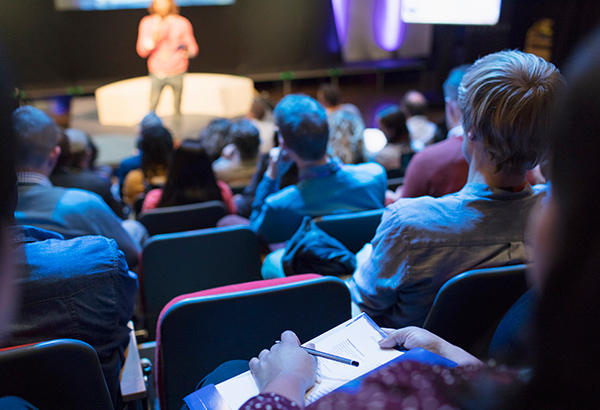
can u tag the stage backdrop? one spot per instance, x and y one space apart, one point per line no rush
86 47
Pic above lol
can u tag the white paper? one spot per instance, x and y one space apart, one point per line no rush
354 339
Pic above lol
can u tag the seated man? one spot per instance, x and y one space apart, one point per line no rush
325 186
70 212
440 169
79 288
506 99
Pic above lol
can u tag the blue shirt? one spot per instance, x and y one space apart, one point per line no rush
422 242
78 289
331 188
70 212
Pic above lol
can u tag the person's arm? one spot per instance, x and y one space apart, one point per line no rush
285 369
278 165
145 42
227 196
374 286
411 337
189 41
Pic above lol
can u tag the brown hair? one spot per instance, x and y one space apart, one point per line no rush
173 7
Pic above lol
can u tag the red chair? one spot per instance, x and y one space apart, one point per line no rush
199 331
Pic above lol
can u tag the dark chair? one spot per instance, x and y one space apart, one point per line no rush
197 334
178 263
183 217
59 374
469 306
353 230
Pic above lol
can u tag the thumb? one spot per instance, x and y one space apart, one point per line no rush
396 337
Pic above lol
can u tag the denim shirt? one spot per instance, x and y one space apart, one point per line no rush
322 190
422 242
79 289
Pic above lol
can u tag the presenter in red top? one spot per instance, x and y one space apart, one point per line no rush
167 39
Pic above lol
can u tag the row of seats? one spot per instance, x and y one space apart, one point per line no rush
198 331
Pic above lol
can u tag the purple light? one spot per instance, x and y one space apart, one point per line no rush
340 12
388 26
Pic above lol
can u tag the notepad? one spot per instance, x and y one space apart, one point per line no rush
355 339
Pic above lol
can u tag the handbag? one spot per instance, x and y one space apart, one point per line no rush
311 250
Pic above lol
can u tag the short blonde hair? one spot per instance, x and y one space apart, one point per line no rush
507 99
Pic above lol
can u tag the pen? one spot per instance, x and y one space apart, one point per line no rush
327 356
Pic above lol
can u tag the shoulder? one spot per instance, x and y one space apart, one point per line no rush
284 198
368 168
84 256
182 21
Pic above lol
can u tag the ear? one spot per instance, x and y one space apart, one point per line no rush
53 157
470 134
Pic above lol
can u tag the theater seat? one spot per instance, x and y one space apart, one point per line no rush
199 331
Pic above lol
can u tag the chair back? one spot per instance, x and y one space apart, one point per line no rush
197 334
353 230
60 374
183 217
469 306
178 263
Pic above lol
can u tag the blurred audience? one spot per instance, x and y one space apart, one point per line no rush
346 126
237 162
398 151
73 169
69 212
414 105
215 137
261 116
190 180
157 148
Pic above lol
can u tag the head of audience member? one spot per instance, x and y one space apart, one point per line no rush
157 148
259 109
507 99
79 147
303 128
567 246
190 178
215 137
453 113
37 138
414 103
392 122
329 95
246 138
163 8
64 159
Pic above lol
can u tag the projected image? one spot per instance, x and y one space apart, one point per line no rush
127 4
477 12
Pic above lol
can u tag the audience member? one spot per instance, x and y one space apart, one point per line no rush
69 212
215 137
392 156
565 251
157 148
135 161
238 159
261 116
78 288
346 126
422 131
423 242
190 180
325 185
75 171
440 169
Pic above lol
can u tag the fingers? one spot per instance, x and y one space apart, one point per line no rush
263 353
395 337
253 362
289 337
